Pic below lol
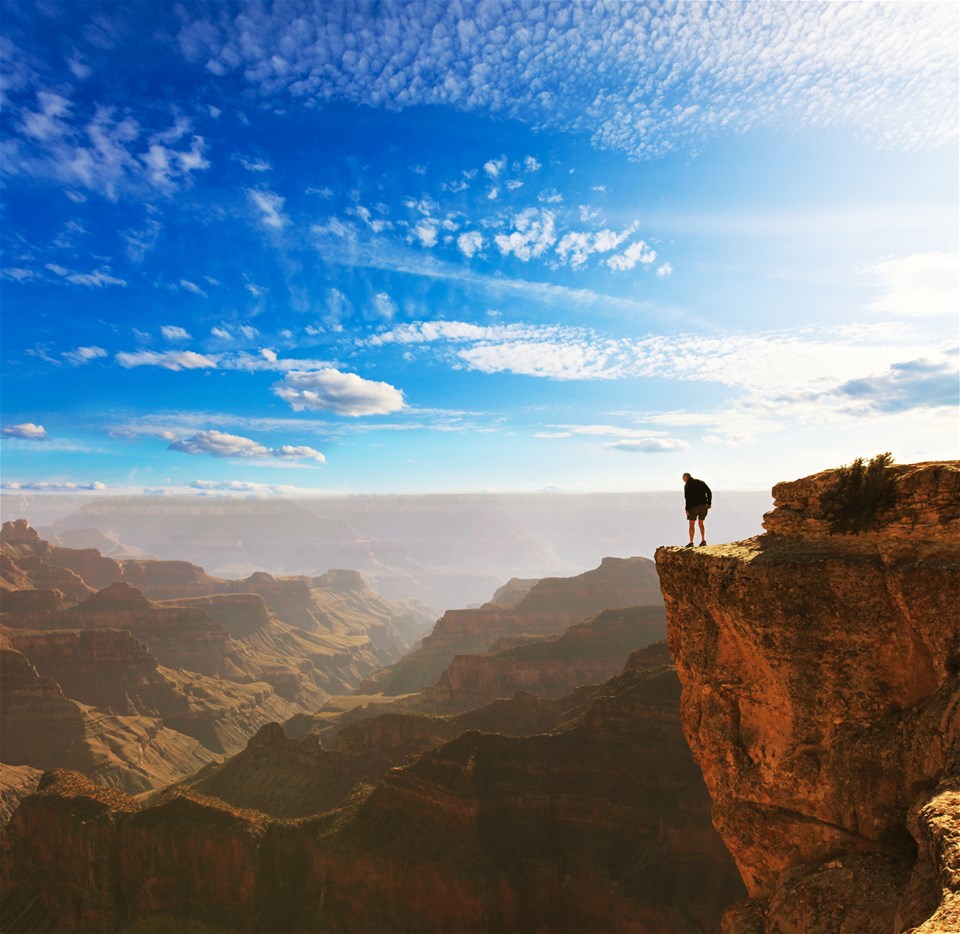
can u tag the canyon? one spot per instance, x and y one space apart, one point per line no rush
786 761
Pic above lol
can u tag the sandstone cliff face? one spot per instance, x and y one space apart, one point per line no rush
820 698
587 653
44 729
547 608
600 826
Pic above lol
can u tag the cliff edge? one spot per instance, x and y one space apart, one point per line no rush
819 676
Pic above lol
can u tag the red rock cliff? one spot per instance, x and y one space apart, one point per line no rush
820 698
547 608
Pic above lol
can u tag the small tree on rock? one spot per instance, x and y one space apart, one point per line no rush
860 495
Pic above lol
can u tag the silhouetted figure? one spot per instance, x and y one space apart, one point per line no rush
698 499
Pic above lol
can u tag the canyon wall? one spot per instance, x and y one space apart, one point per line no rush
546 608
820 698
601 825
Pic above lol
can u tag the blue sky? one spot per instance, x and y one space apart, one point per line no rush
345 247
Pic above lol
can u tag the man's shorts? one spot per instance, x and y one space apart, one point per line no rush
698 512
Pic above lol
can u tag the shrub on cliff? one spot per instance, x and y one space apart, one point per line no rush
861 493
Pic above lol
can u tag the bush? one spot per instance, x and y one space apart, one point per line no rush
861 494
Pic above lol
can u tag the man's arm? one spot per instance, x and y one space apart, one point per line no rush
709 495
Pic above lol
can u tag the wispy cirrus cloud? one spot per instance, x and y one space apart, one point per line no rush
80 355
94 147
270 206
96 279
919 285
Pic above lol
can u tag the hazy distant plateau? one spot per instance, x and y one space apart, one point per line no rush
448 550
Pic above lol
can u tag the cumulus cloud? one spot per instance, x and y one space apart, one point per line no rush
329 390
470 243
426 233
222 444
171 332
665 270
534 232
913 384
80 355
531 164
493 167
920 285
637 252
27 431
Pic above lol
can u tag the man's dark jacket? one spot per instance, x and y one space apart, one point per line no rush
696 493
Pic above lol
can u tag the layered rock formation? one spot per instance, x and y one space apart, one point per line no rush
587 653
820 697
602 825
546 608
44 729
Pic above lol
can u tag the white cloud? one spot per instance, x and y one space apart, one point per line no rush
648 445
41 486
920 285
493 167
576 247
96 279
329 390
531 164
665 270
683 73
172 332
221 444
426 233
257 291
81 355
270 206
222 333
168 360
254 165
550 196
637 252
470 243
534 232
189 286
28 431
384 306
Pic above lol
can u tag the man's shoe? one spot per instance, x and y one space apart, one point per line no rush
701 544
690 545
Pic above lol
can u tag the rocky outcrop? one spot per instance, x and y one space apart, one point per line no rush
820 697
16 782
547 608
111 670
44 729
587 653
602 825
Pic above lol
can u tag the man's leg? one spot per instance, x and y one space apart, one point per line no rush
703 534
693 525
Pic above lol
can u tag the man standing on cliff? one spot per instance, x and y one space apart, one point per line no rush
698 500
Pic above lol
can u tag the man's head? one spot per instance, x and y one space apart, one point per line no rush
686 477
